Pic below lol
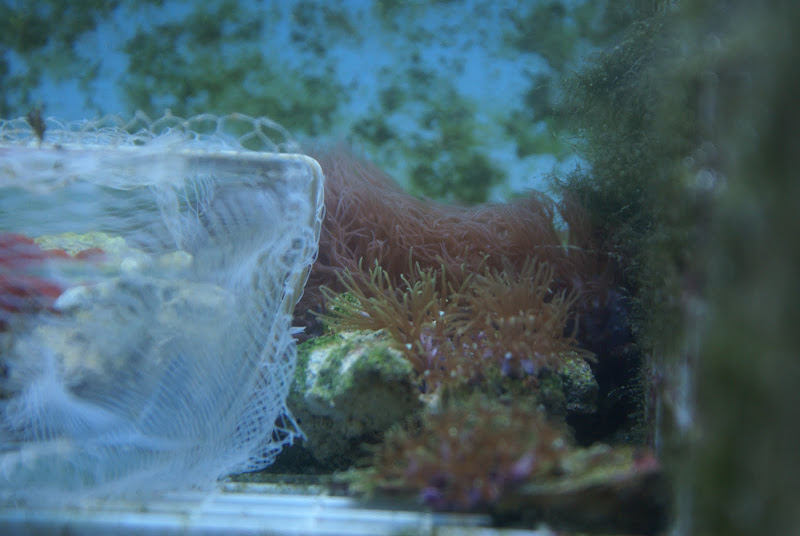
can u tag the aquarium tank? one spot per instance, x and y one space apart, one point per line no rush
377 267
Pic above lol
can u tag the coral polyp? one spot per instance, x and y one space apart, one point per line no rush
452 326
520 317
370 219
466 455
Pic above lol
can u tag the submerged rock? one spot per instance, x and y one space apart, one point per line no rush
602 489
349 388
579 385
570 391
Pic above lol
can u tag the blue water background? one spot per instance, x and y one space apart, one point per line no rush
373 46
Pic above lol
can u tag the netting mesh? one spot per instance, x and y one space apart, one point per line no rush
148 273
213 132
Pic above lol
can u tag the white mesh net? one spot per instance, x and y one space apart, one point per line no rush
148 273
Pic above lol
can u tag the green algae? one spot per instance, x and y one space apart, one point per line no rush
743 468
349 388
689 130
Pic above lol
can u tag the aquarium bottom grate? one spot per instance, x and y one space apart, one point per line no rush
241 508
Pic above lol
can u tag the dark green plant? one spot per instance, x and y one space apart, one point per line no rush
743 467
638 130
690 134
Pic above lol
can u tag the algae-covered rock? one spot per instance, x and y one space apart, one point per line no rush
601 489
572 390
349 388
579 385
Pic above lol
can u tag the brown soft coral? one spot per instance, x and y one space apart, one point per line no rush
370 219
465 456
519 318
509 318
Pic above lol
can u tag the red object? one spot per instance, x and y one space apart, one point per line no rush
22 287
91 254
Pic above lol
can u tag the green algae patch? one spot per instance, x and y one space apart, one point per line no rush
349 388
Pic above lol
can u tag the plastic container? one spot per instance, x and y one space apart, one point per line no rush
148 273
